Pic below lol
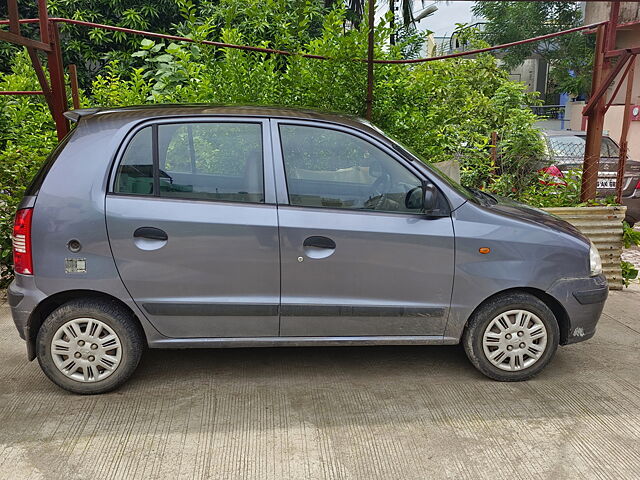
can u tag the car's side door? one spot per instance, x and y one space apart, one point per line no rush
355 260
193 227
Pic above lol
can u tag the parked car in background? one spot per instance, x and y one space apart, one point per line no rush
566 152
205 227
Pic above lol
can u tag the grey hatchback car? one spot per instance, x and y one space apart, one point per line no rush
207 227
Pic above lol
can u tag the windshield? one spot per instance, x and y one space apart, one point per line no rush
574 145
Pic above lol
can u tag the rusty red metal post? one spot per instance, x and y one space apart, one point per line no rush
626 123
73 77
594 125
58 89
370 51
494 148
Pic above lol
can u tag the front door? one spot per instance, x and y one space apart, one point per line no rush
192 233
355 260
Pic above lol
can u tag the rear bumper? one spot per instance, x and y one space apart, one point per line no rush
23 298
583 299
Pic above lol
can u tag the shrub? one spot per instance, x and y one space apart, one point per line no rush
441 110
26 138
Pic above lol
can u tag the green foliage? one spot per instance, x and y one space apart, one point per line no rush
629 273
629 235
512 21
442 110
90 49
549 191
26 138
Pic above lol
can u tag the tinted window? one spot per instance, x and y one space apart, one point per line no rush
328 168
211 161
135 172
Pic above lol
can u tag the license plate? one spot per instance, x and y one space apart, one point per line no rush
607 183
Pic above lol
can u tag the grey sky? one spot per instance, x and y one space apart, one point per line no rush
443 22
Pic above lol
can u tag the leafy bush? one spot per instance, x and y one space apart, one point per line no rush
442 110
551 191
26 138
629 273
629 235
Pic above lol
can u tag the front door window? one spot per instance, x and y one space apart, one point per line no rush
332 169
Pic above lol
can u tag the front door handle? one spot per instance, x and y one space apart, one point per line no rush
151 233
319 242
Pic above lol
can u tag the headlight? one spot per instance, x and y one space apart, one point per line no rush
595 263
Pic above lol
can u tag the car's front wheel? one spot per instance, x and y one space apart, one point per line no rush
89 346
511 337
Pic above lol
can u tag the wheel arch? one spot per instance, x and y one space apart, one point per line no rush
49 304
554 305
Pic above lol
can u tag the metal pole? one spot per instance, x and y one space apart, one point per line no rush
392 24
614 13
370 50
73 76
595 125
58 88
626 123
43 20
494 148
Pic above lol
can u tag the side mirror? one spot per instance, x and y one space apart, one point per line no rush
424 197
430 197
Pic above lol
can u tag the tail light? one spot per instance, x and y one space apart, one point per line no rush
22 261
638 185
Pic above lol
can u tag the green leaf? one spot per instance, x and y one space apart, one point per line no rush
147 44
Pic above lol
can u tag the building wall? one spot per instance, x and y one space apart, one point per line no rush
627 36
612 125
599 11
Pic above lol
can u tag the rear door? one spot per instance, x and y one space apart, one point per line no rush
355 261
193 227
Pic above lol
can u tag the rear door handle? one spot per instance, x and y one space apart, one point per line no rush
152 233
319 242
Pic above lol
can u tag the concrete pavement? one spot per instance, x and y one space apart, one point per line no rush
352 413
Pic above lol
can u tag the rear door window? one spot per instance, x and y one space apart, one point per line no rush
211 161
201 160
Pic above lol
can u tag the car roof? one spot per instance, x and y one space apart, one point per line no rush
143 112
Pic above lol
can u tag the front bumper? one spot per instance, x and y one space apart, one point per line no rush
583 300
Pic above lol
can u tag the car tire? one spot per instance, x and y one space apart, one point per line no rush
511 337
89 346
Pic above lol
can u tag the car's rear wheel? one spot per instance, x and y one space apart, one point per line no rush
511 337
89 346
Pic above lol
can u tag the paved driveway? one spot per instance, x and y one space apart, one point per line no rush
354 413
